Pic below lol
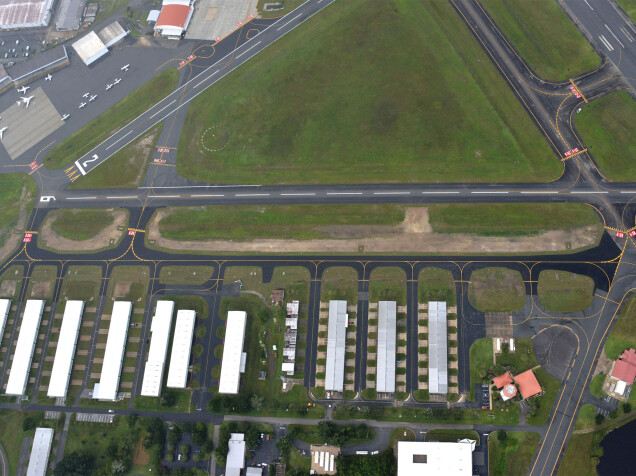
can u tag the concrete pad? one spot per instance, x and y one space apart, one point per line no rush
28 126
218 18
555 348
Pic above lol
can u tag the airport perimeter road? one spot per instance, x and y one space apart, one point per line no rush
182 96
609 29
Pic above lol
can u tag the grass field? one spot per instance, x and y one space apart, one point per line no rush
13 278
521 359
288 6
11 186
623 334
435 284
325 104
387 284
451 436
560 291
496 289
544 403
513 455
596 386
81 224
629 6
606 127
581 455
194 275
511 219
339 282
126 168
481 359
113 119
545 37
128 283
311 434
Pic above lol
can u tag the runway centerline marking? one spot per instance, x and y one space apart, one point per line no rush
81 198
297 194
503 193
173 101
344 193
615 37
130 132
164 196
587 192
251 195
251 47
391 193
437 193
207 195
539 192
129 197
297 16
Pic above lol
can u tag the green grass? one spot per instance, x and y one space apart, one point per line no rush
113 119
310 434
451 436
81 224
550 386
496 290
510 219
14 273
623 334
109 7
436 284
629 6
339 282
581 455
560 291
606 127
521 359
153 404
194 303
83 283
42 283
512 456
11 187
587 415
545 37
596 386
193 275
387 284
288 6
126 168
326 105
135 281
401 434
480 361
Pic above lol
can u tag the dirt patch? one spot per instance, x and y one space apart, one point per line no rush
141 457
121 290
413 235
110 234
41 289
8 288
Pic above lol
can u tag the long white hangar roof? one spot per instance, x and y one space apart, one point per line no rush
181 348
108 384
232 352
437 348
5 307
19 375
336 340
385 379
65 351
160 329
39 459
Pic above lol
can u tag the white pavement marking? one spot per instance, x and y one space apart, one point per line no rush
251 47
540 192
490 192
79 167
587 192
198 186
81 198
588 5
606 43
629 191
164 196
344 193
173 101
297 16
297 194
251 195
203 81
391 193
615 37
207 195
437 193
626 33
129 197
120 139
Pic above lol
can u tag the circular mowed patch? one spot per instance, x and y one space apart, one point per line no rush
562 291
496 290
215 138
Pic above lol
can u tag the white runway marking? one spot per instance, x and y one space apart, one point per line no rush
391 193
437 193
81 198
252 195
626 33
588 5
537 192
629 191
297 16
130 197
297 194
615 37
162 109
203 81
207 195
164 196
120 139
344 193
587 192
606 43
490 192
253 46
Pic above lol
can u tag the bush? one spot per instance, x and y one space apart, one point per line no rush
422 322
627 407
170 457
372 335
350 355
401 342
322 348
423 350
220 332
320 375
321 361
401 329
372 363
372 349
351 341
452 330
371 377
199 331
599 419
218 351
502 435
421 378
422 336
452 343
400 356
373 322
322 334
197 350
423 364
402 371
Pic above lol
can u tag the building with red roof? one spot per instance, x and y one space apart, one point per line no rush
502 380
528 384
174 18
625 367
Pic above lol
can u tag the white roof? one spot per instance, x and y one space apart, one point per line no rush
90 48
181 347
235 460
336 341
232 350
153 15
292 308
419 458
160 329
5 307
620 387
385 374
19 375
254 471
176 2
287 367
112 34
65 351
39 459
437 347
108 384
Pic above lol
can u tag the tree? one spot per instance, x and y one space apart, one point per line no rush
627 407
168 399
200 434
257 401
118 467
599 418
502 435
75 464
284 445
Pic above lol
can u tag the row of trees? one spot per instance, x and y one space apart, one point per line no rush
333 434
382 464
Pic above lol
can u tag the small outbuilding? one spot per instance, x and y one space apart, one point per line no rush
90 48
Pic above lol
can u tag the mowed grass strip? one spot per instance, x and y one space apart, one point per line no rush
629 6
510 219
436 284
544 36
511 454
623 335
11 188
81 224
496 290
607 128
366 92
560 291
113 119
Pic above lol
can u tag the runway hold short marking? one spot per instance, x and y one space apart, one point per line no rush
33 165
131 232
27 237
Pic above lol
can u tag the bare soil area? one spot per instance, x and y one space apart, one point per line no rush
413 235
111 233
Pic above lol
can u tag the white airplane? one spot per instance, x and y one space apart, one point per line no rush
65 117
117 81
125 67
92 98
86 95
108 86
2 131
23 89
19 102
82 105
49 78
27 101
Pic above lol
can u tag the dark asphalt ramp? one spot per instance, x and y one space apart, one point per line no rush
554 348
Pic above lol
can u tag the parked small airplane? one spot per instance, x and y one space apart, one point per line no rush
65 117
92 98
27 101
82 105
23 89
117 81
19 102
125 67
86 95
2 131
108 86
49 78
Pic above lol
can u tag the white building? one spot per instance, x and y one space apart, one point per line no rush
233 362
235 460
90 48
437 348
19 375
181 349
65 350
5 307
387 328
160 329
419 458
39 459
336 341
108 384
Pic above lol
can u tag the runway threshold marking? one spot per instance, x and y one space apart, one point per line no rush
578 90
